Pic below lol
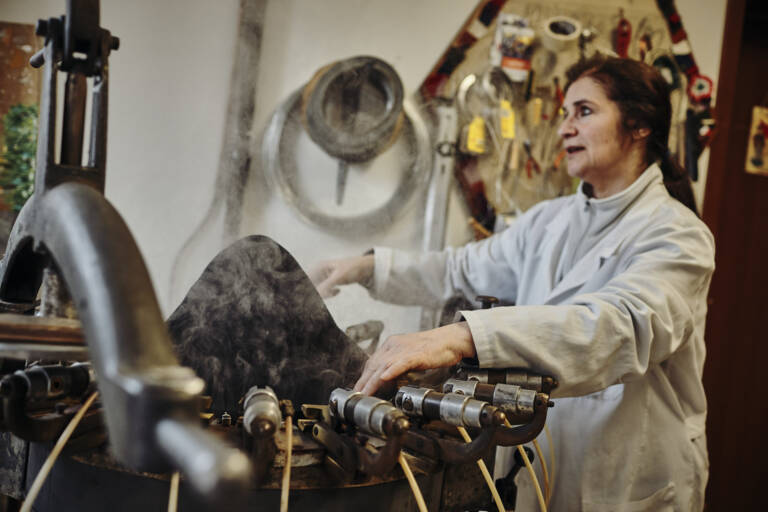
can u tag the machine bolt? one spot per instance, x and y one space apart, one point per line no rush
56 384
41 29
6 388
401 426
408 404
263 428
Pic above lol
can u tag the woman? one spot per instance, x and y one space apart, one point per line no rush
605 290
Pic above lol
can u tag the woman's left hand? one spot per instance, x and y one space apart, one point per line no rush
436 348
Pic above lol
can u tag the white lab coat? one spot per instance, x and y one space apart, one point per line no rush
621 328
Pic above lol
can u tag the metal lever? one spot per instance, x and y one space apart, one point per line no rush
453 409
214 470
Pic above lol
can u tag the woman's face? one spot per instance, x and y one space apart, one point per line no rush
593 135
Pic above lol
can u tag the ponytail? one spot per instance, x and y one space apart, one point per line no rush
677 182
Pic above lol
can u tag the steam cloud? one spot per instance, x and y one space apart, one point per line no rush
254 318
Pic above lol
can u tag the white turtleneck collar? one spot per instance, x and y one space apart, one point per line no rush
590 220
620 200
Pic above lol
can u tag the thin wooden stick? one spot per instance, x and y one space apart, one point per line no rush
486 474
173 496
412 482
544 472
551 463
287 467
51 460
539 495
542 503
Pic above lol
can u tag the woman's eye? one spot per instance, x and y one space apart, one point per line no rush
585 111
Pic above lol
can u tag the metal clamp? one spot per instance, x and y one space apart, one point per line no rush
353 411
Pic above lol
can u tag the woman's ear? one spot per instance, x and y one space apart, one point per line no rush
641 133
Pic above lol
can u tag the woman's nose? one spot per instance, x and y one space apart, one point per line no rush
566 128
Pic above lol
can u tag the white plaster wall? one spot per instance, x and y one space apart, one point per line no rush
169 87
169 83
299 38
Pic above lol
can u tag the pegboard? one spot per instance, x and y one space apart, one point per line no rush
512 186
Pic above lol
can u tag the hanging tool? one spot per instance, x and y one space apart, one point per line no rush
699 123
341 180
474 28
587 36
559 99
351 93
438 193
644 46
530 163
622 36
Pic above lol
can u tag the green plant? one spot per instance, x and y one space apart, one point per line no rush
17 165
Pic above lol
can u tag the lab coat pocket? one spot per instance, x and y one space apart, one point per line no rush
662 500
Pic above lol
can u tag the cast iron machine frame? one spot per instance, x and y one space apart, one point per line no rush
69 232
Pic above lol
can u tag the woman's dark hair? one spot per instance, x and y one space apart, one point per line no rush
642 95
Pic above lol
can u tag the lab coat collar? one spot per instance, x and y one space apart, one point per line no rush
652 175
625 197
588 265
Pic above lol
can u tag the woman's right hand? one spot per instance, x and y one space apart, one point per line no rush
328 275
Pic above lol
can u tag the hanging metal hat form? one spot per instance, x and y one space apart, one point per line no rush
353 108
355 111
